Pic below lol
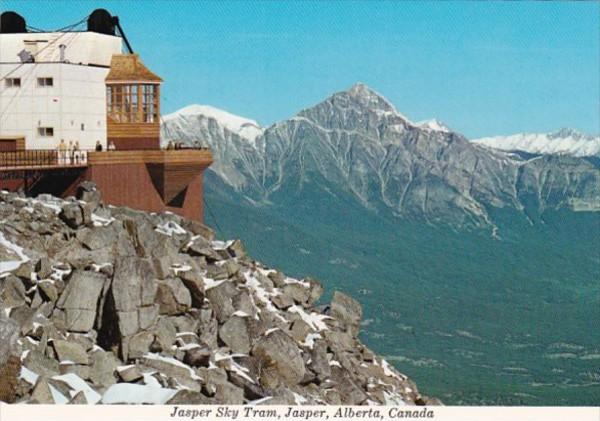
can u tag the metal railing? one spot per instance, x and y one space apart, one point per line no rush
42 158
33 158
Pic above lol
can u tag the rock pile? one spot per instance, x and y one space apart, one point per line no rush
100 304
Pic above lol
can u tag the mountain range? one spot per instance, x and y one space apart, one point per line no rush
358 143
564 141
472 263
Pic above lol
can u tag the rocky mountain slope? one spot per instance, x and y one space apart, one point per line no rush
100 304
356 143
564 141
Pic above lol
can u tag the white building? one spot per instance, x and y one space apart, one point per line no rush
52 87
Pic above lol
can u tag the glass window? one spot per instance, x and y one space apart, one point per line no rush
13 82
45 81
150 103
46 131
135 103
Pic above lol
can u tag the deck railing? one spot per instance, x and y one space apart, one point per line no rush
42 158
46 158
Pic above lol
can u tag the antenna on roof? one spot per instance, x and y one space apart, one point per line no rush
103 22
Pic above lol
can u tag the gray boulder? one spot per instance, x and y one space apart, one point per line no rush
97 238
139 344
41 364
316 290
188 397
72 215
162 266
128 323
133 283
280 352
197 228
78 399
298 292
197 357
130 374
80 299
133 288
194 283
220 298
200 246
103 366
147 315
41 393
229 394
347 310
350 392
234 333
9 334
70 351
173 297
237 249
165 334
175 369
48 290
319 363
12 291
88 192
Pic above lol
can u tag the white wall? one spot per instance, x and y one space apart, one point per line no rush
77 97
81 47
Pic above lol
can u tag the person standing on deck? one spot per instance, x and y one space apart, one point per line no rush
70 153
62 151
76 153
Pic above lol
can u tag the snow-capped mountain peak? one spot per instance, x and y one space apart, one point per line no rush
243 127
434 125
361 91
370 99
563 142
567 132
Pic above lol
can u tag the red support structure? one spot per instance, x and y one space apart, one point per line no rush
152 180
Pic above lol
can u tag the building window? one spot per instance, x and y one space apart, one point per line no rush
149 103
82 126
45 81
13 82
46 131
135 103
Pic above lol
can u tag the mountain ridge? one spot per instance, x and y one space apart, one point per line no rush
360 143
565 141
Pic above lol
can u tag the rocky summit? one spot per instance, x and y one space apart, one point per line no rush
102 304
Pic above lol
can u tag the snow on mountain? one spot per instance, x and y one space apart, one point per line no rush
563 141
356 143
243 127
235 141
433 124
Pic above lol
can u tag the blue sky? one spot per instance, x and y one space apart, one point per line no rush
484 68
